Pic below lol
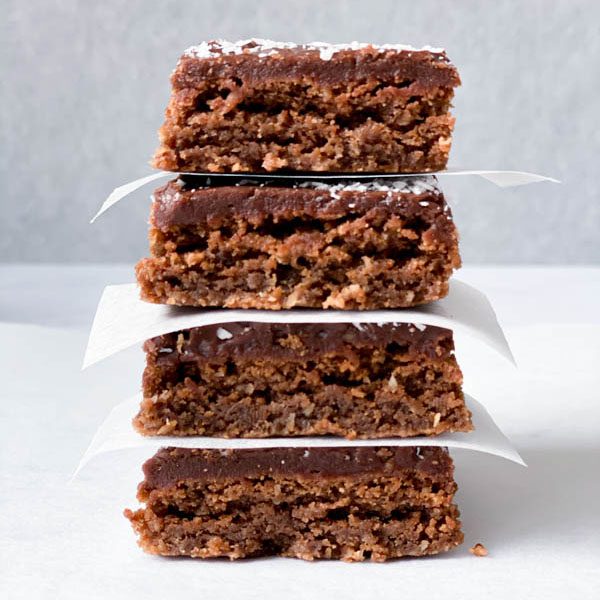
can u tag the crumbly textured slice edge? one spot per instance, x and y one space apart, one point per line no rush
343 503
417 533
225 117
265 380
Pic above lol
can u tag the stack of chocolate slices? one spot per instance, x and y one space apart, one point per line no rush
273 210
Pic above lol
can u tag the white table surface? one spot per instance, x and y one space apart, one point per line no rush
541 525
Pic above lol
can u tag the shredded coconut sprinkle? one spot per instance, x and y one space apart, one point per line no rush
263 48
223 334
412 184
407 185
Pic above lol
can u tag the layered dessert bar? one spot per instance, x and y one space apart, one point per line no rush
351 504
261 106
347 245
271 379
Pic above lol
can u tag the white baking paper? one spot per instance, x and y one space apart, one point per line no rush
117 433
500 178
123 320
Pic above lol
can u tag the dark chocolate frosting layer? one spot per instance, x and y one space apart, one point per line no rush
172 465
418 70
184 202
249 341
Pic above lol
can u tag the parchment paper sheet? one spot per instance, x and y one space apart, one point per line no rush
123 320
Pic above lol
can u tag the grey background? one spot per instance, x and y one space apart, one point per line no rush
84 86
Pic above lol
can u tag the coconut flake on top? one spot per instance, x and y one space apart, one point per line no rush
417 185
264 48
